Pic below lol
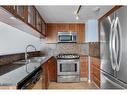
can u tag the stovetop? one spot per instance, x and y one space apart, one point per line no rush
68 56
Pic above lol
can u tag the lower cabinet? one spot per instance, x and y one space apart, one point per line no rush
49 72
83 67
95 68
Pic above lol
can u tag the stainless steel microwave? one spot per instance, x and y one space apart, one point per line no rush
67 37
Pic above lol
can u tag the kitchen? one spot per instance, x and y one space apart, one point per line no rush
62 47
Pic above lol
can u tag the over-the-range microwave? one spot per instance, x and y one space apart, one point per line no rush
65 37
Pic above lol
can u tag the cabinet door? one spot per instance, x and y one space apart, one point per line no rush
31 15
11 9
52 69
43 27
51 33
22 11
83 67
96 71
38 21
80 32
45 74
62 27
43 78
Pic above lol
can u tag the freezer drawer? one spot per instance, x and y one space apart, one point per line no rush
109 82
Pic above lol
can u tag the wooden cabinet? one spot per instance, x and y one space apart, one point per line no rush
27 14
53 29
83 67
43 28
52 69
32 16
38 21
51 33
45 74
22 12
11 9
96 70
49 72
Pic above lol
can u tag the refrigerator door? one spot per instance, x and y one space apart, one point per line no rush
106 62
122 66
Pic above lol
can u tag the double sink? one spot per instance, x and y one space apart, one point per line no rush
31 60
20 63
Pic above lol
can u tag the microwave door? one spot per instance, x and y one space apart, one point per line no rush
65 38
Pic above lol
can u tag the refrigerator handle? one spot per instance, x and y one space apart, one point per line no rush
117 28
111 45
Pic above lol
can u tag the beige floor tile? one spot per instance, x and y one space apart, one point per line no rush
69 86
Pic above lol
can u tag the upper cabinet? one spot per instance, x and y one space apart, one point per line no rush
22 12
29 16
32 16
53 29
91 33
43 28
38 21
11 9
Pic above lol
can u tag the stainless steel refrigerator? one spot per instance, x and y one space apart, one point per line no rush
113 50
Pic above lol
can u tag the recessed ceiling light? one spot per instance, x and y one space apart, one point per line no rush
77 17
12 17
96 9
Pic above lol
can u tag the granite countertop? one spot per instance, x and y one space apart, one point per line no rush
13 77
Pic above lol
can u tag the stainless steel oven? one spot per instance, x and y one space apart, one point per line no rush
68 68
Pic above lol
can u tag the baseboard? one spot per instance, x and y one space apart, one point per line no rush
95 84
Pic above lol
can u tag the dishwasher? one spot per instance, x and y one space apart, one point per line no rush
30 81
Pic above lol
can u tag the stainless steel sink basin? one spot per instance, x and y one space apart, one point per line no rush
31 60
20 62
37 59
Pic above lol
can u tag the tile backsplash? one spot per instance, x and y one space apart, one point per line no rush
6 59
55 49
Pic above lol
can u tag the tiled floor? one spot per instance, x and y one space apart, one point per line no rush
81 85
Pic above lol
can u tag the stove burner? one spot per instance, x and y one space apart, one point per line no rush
68 56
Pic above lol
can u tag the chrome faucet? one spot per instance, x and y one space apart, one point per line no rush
26 55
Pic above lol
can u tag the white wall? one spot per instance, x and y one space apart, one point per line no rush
13 40
91 34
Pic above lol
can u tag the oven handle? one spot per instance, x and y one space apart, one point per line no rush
65 61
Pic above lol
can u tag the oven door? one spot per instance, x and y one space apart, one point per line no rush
68 67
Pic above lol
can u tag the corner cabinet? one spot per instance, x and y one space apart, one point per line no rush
25 18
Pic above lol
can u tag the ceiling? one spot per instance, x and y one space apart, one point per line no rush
66 14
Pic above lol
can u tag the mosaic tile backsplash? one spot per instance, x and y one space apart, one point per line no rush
6 59
55 49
